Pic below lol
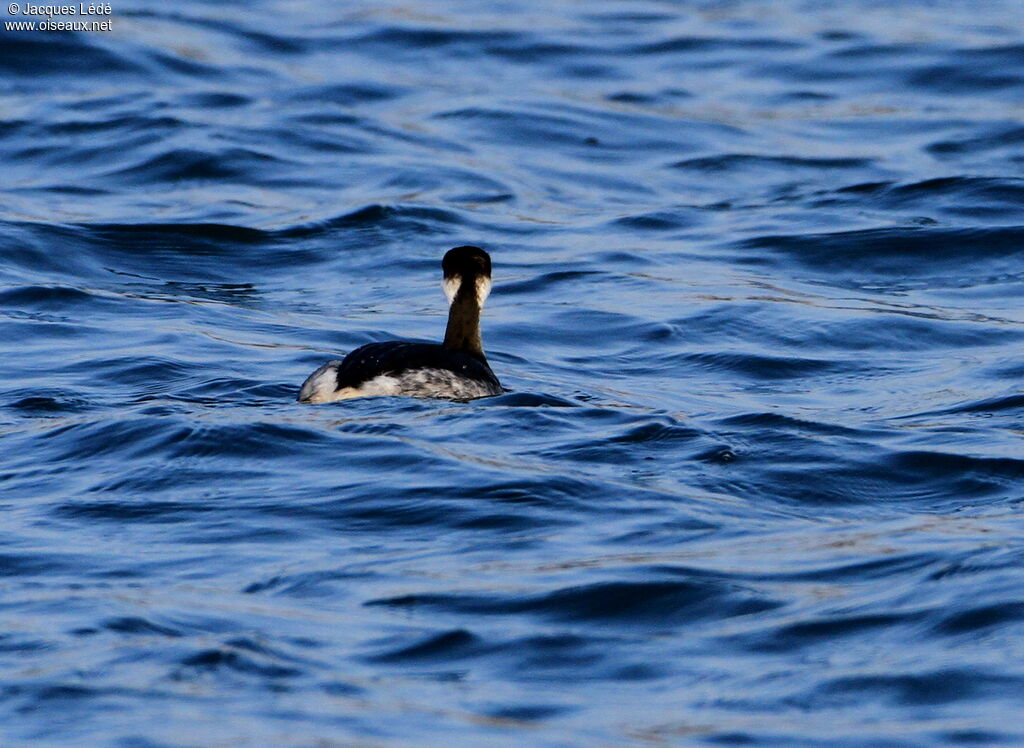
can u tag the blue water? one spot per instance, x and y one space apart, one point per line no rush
758 277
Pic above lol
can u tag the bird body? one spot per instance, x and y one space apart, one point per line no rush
455 369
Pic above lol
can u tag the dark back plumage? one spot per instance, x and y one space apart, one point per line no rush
393 358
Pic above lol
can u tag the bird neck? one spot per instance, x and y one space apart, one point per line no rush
463 331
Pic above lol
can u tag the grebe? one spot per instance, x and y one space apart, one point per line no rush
455 369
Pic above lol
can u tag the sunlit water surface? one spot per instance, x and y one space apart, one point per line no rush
758 281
